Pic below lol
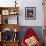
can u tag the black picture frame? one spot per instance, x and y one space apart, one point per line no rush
30 13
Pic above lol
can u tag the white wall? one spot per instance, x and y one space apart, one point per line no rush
39 12
27 3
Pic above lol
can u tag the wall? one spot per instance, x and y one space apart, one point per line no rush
39 13
27 3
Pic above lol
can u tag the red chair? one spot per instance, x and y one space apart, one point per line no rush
29 33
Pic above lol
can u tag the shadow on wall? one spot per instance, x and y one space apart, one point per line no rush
37 29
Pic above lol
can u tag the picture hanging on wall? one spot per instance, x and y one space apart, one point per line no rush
30 13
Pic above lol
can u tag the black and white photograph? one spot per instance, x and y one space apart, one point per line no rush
30 13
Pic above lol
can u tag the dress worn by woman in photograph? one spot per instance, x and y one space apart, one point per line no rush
30 38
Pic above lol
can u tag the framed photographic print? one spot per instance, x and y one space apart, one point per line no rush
7 34
13 20
30 13
5 20
5 12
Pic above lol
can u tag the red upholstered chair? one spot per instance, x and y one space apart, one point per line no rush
29 33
